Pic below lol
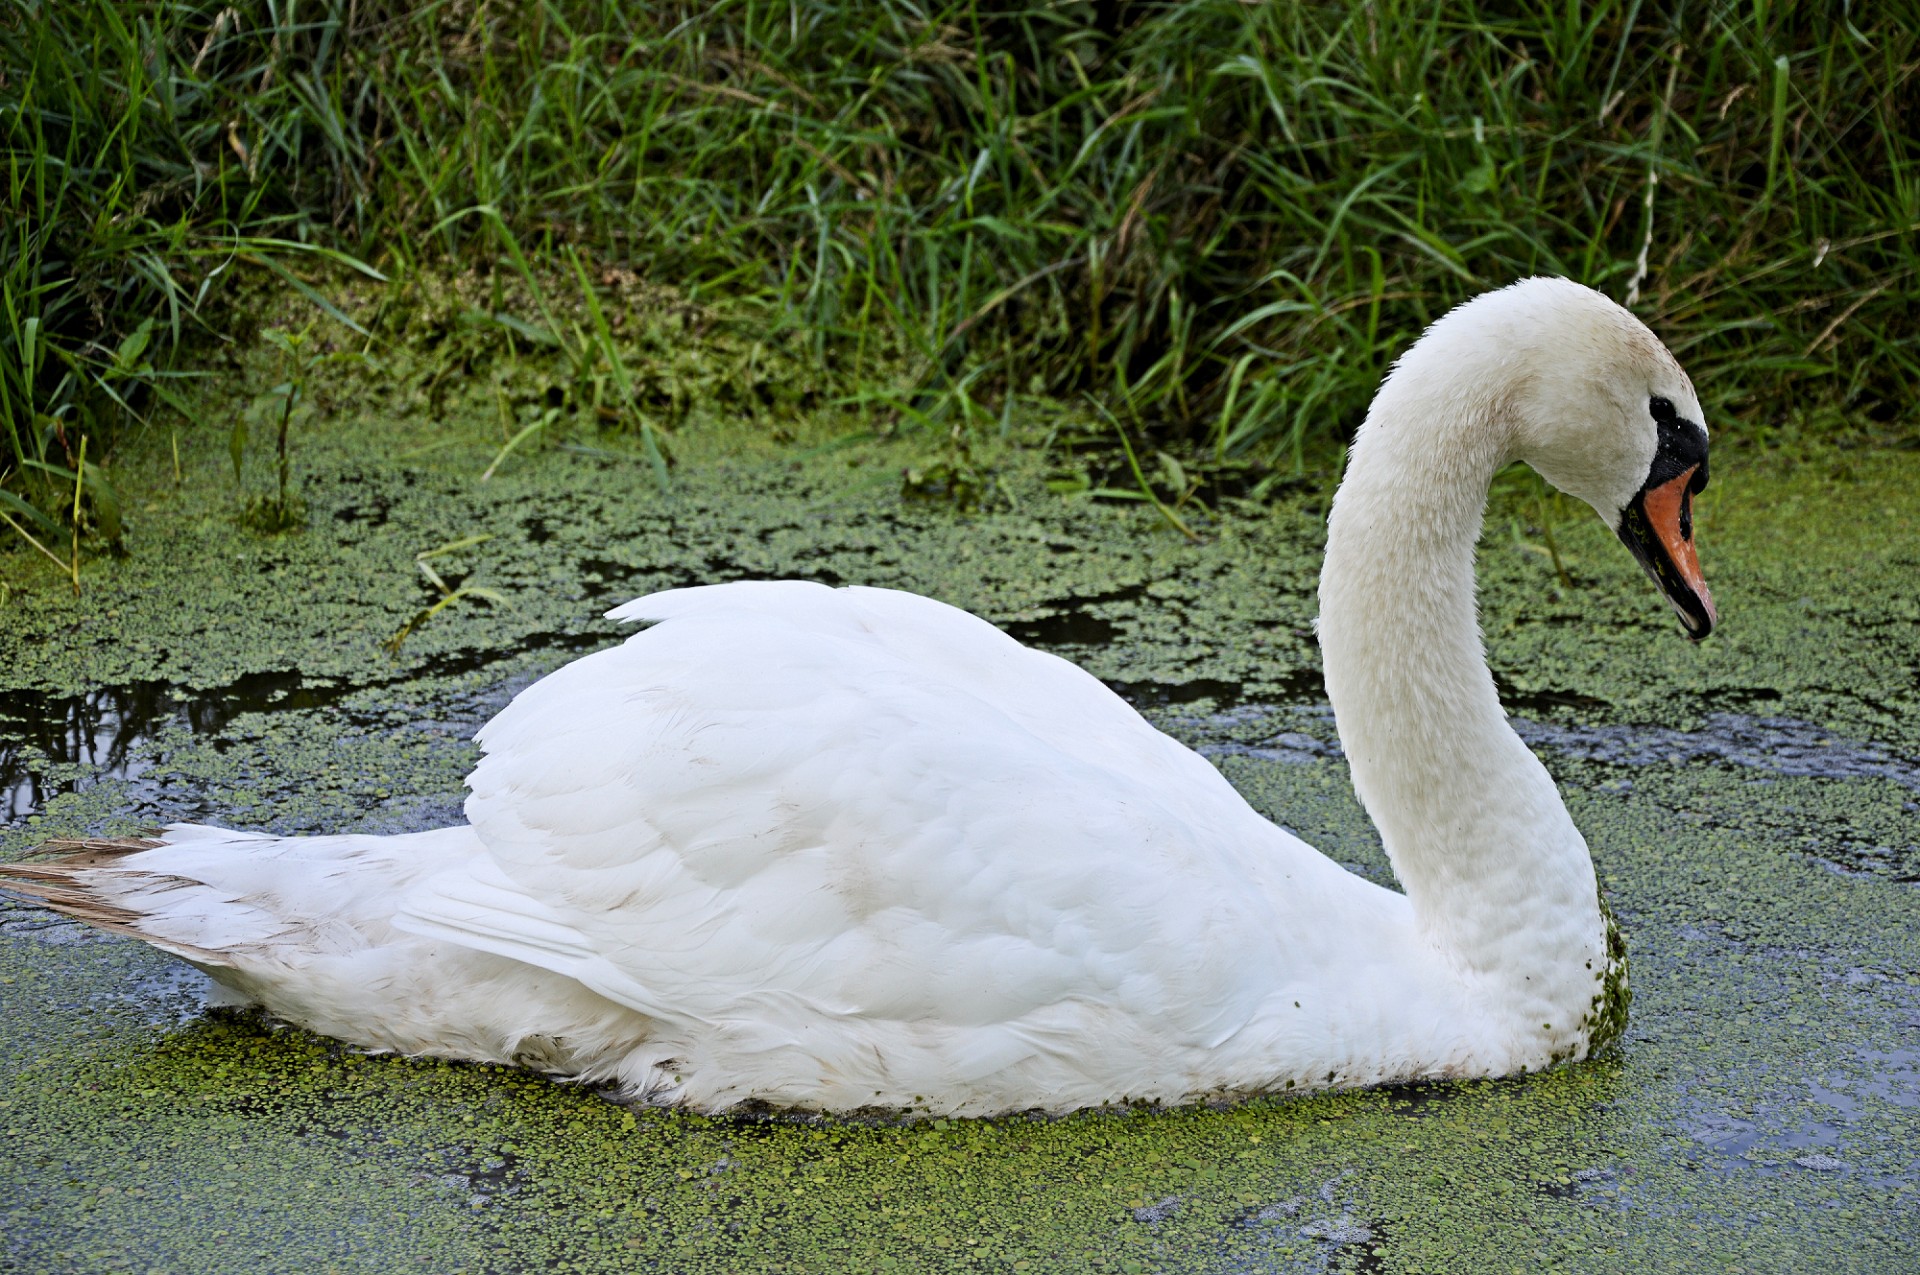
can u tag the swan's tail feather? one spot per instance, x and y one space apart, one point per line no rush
305 927
100 851
70 885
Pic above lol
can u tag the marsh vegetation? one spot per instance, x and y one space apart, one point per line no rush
1217 221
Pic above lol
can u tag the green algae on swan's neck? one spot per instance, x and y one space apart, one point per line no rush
1606 1021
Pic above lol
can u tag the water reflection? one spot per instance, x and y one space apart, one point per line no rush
59 743
52 744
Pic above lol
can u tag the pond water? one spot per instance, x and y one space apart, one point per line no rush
1753 807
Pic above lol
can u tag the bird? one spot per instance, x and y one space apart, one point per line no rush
842 850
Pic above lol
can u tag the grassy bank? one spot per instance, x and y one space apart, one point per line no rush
1220 220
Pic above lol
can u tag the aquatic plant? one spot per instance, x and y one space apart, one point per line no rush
1758 862
449 594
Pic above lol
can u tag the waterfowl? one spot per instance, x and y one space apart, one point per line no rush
842 849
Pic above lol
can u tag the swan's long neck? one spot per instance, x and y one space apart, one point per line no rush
1500 880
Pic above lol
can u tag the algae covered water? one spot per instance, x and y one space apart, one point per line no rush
1753 805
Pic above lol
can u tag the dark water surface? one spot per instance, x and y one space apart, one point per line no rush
1753 808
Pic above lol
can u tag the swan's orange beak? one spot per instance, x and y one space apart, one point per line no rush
1658 527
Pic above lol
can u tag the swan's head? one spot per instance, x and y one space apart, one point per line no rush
1603 411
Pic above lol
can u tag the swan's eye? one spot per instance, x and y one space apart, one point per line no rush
1662 409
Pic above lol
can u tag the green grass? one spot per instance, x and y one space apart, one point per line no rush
1219 220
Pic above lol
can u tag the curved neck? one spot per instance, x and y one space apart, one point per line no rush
1499 878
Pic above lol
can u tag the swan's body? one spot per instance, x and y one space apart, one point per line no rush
850 848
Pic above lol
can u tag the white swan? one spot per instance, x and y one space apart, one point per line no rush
852 848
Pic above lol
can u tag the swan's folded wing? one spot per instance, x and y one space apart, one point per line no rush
477 905
1056 701
786 804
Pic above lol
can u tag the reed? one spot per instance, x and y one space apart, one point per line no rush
1221 220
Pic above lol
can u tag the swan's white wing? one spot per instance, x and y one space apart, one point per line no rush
833 819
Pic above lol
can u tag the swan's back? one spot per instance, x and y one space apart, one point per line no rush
855 838
827 848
